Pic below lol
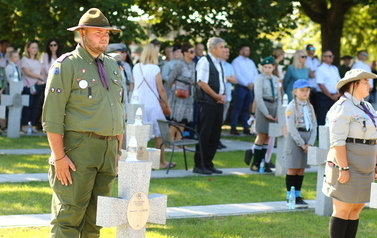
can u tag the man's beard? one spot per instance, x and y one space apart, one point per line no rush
88 44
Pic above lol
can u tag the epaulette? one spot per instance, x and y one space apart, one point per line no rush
341 100
63 57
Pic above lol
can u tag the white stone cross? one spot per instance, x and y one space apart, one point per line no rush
142 134
279 130
133 207
14 101
318 156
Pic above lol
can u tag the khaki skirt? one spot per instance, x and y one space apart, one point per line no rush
361 160
293 156
261 122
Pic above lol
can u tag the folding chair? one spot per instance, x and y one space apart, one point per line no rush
166 140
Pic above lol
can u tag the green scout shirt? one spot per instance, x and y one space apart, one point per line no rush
75 99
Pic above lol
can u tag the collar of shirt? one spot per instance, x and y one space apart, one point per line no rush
86 55
352 98
214 59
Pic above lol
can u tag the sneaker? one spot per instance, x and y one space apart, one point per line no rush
271 165
301 203
254 168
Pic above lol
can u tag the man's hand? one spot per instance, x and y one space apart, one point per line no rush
250 86
335 97
221 98
62 170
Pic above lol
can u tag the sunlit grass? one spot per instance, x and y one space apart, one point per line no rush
303 224
34 197
24 142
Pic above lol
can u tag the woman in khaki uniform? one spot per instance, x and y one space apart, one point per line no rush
351 165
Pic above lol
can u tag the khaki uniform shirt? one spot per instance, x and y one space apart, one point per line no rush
347 119
294 117
263 90
75 99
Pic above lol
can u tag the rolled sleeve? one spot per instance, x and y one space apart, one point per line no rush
202 70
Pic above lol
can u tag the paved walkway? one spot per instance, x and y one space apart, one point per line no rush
32 220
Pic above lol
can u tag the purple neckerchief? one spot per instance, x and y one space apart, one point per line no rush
102 73
366 110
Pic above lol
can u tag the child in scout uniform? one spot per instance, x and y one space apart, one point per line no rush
267 98
302 131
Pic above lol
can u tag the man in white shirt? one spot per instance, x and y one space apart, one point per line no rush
362 56
246 72
327 76
210 93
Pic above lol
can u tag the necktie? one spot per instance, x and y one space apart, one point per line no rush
272 89
102 73
308 122
18 74
366 110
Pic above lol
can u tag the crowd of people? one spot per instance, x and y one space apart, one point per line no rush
200 90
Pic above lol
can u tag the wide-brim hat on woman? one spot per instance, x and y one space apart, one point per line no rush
353 75
94 18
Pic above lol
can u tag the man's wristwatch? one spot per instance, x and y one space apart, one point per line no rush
344 168
119 152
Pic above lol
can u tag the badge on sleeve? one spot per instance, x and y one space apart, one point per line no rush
52 90
56 70
83 84
58 90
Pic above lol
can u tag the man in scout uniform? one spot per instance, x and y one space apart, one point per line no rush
83 117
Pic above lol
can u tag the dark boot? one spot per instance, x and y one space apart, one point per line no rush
337 227
248 156
352 228
258 156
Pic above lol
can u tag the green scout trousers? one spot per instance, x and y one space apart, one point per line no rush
74 207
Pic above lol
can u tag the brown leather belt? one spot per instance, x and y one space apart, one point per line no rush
94 135
361 141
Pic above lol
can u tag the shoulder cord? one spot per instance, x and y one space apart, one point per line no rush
144 80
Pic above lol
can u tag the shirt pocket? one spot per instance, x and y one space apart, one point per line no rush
117 88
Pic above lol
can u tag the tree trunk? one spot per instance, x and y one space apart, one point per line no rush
331 33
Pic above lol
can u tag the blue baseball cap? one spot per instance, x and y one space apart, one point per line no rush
301 83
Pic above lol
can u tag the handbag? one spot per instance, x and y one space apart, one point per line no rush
164 106
182 89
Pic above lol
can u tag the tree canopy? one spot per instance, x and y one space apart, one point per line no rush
257 23
238 22
24 20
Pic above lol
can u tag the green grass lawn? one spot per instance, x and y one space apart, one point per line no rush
24 142
303 224
34 197
16 164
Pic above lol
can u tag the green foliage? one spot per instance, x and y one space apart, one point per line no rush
238 22
39 19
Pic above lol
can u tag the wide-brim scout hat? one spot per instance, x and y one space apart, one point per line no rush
94 18
353 75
